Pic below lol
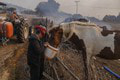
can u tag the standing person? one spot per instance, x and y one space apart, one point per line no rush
35 54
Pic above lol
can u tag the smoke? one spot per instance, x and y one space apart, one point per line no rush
49 7
51 10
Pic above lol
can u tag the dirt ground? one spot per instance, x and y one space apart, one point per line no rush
9 56
73 60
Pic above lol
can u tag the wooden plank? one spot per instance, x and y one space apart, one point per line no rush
47 76
68 69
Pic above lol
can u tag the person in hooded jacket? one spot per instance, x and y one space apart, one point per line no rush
35 55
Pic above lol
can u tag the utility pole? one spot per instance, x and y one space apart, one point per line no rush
77 6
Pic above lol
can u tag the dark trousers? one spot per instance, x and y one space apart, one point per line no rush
36 71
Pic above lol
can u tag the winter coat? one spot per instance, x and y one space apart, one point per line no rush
36 50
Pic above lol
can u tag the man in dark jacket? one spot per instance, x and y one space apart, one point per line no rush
35 54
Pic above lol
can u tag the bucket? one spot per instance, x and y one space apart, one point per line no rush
51 52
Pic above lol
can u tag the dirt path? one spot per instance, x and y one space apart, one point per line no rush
9 55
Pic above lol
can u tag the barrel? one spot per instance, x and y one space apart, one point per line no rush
9 29
6 27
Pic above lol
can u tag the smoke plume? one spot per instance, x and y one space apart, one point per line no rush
51 10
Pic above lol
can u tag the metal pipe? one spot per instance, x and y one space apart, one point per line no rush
111 72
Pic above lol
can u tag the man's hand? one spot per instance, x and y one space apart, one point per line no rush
46 44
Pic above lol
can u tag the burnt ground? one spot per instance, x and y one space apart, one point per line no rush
72 59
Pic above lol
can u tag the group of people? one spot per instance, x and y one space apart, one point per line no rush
35 56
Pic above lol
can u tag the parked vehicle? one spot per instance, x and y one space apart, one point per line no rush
12 24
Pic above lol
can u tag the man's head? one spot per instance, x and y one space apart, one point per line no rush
40 31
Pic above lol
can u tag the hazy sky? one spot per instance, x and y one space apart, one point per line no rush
97 8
